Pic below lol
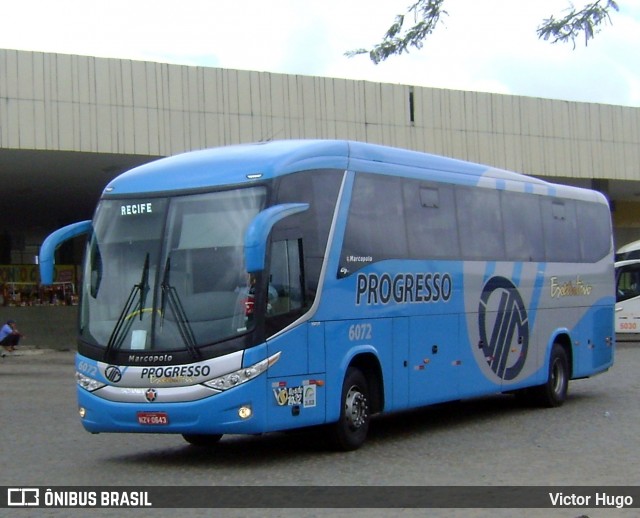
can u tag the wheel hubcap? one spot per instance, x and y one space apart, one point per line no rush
557 374
355 408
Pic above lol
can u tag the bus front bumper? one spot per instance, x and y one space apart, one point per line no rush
241 410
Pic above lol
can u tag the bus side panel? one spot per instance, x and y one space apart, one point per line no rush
400 381
292 346
301 350
316 347
297 381
503 327
295 402
593 346
476 379
434 360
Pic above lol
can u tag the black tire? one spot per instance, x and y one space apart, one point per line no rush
202 440
553 393
350 431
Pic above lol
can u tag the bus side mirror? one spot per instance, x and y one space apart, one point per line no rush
52 242
255 237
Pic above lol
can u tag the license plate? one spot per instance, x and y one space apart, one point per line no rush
153 418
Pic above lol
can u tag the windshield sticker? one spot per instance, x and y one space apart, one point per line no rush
288 396
304 394
136 208
403 288
309 396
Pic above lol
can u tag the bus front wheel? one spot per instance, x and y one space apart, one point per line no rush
202 440
350 431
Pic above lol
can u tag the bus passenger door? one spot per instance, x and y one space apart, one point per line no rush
434 362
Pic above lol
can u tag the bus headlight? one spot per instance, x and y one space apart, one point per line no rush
233 379
88 383
245 412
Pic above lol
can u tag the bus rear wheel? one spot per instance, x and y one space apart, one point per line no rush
553 393
202 440
350 431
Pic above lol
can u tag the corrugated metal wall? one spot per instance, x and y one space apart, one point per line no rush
77 103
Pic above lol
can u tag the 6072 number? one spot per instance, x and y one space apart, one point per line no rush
360 332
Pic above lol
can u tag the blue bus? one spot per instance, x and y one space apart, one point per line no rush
290 284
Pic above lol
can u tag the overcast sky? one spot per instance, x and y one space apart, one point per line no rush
482 45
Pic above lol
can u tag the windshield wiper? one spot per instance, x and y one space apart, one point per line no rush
170 295
144 284
163 289
125 320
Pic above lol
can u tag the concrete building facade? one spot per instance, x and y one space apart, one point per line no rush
70 123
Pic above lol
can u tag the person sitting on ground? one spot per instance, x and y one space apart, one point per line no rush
10 336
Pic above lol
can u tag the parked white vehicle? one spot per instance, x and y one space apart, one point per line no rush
628 296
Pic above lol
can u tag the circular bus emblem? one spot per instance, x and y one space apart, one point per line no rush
113 374
504 327
151 395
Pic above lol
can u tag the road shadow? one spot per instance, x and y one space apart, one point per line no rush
277 448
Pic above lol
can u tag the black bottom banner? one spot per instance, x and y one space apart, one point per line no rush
518 497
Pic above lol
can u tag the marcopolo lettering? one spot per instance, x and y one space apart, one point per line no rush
136 208
174 371
150 358
403 288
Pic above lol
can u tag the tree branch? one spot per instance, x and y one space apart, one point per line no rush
587 21
426 15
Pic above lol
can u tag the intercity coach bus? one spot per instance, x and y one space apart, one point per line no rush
281 285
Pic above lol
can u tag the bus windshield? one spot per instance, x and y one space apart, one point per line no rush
168 273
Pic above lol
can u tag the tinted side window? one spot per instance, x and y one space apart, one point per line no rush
286 276
400 218
524 239
480 223
431 220
594 223
320 190
375 226
560 230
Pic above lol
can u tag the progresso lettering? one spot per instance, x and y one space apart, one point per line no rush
191 371
403 288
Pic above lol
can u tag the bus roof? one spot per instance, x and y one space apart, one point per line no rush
629 247
247 163
626 262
